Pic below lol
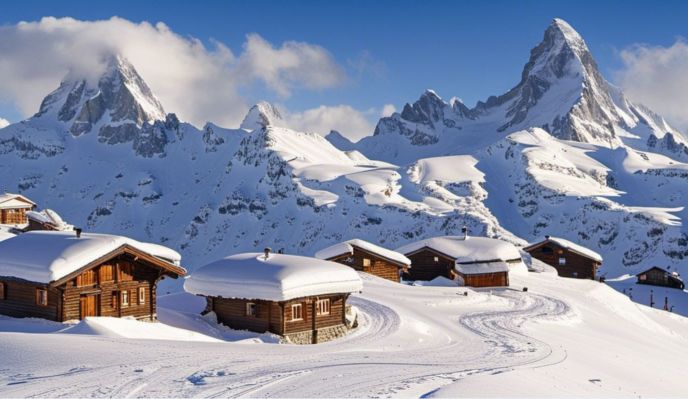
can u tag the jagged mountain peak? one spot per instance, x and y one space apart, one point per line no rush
261 115
117 102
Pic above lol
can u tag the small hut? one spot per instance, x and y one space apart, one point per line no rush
46 220
476 261
300 298
13 208
570 259
367 257
658 276
64 276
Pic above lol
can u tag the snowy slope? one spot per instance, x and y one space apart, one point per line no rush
563 337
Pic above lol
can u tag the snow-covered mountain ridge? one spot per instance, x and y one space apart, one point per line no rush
562 153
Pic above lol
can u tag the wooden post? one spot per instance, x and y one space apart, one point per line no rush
314 334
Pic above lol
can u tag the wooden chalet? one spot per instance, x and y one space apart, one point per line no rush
660 277
366 257
13 208
474 261
64 276
300 298
570 259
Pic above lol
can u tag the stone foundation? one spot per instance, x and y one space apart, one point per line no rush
323 335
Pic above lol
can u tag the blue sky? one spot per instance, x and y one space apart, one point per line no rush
393 50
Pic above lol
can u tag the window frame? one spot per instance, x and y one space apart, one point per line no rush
562 261
122 295
40 294
323 303
367 262
437 259
141 296
300 307
253 312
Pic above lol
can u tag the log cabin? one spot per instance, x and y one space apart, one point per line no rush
13 208
63 276
569 259
658 276
367 257
300 298
472 261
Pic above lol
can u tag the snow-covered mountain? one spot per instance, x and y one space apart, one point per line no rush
562 153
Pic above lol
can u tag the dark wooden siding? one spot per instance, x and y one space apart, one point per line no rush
424 267
276 317
127 275
657 276
500 279
379 266
577 266
20 300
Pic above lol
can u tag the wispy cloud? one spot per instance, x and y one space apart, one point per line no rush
657 76
201 83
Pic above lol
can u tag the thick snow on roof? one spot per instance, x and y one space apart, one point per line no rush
481 268
46 256
14 200
575 248
277 278
472 249
50 217
347 247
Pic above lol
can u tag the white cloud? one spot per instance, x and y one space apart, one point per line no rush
658 77
351 123
4 122
199 83
388 110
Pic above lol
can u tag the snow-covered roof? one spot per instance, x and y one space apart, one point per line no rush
462 250
481 268
9 200
347 247
571 246
47 256
51 218
4 235
277 278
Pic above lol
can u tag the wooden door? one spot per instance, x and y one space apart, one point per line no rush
88 306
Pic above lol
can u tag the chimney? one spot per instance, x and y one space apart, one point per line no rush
78 232
547 237
464 230
267 251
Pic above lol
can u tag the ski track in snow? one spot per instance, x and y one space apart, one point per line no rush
377 360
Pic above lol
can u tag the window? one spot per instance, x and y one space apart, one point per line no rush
106 273
2 291
546 250
366 262
142 295
296 312
125 298
323 306
251 309
437 259
562 261
643 277
41 297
